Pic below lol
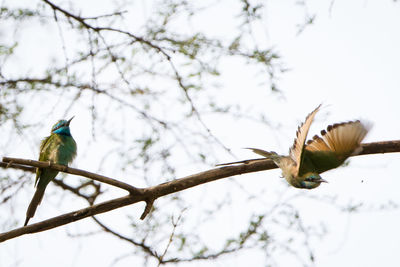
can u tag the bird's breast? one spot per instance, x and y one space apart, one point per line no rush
61 149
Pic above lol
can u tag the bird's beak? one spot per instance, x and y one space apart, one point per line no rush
322 180
69 121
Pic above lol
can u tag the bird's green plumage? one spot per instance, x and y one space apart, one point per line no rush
319 161
59 148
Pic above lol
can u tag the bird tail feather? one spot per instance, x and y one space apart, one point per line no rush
268 155
247 161
37 198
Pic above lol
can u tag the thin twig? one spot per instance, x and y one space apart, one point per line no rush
146 248
171 238
82 21
119 13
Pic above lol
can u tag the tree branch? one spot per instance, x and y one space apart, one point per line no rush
146 248
63 168
58 182
154 192
148 43
82 21
380 147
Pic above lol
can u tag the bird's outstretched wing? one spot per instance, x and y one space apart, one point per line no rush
297 150
338 142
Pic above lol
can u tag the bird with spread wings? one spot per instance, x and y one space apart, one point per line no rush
307 160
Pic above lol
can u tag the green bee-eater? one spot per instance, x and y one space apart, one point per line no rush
306 161
59 148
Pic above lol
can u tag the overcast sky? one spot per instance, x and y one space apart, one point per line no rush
348 60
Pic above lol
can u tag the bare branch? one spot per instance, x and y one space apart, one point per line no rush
171 238
145 248
82 21
76 190
17 166
63 168
119 13
70 217
148 193
58 182
380 147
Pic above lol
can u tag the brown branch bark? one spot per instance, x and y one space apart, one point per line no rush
380 147
63 168
58 182
154 192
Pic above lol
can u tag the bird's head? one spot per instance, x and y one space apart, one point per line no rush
311 180
62 127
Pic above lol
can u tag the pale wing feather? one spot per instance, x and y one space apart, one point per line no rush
296 151
343 139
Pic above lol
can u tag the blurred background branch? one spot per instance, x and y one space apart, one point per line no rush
163 89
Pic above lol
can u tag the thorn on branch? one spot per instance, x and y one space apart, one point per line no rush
9 164
147 209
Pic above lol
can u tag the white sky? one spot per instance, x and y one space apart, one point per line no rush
348 60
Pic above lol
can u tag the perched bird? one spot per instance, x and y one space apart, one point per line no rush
306 161
59 148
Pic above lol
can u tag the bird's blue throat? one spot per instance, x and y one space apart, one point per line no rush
63 131
62 128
